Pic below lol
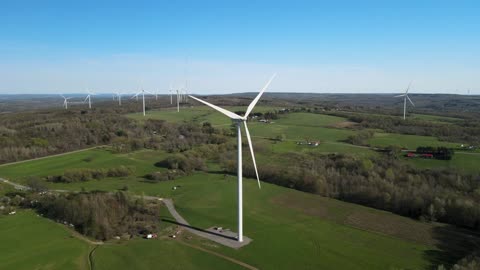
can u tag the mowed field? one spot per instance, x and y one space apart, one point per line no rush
32 242
290 229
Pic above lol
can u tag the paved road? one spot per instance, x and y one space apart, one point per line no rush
226 238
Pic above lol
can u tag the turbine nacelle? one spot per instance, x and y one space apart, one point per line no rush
239 119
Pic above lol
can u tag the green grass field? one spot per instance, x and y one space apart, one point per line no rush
4 188
467 162
289 228
143 161
32 242
162 254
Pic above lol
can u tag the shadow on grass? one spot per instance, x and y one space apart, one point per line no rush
197 229
453 244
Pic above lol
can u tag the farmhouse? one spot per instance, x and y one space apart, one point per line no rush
411 155
309 143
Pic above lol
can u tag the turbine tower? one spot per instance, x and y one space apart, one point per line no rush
238 120
119 96
89 97
143 98
178 100
405 97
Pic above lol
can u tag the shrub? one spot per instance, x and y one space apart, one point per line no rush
82 175
157 176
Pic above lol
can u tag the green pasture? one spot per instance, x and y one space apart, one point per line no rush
467 162
4 188
28 241
143 161
157 254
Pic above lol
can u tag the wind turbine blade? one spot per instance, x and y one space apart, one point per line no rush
249 139
400 95
410 100
227 113
408 88
254 102
86 99
62 96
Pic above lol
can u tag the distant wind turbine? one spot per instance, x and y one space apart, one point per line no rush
178 100
239 120
171 94
65 101
143 91
405 95
89 97
118 95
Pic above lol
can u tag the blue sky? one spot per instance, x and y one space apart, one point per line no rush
232 46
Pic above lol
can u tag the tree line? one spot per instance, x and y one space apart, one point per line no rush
85 174
465 131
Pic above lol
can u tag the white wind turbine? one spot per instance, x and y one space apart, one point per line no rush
171 94
184 95
405 95
89 97
65 101
238 120
143 91
118 95
178 100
